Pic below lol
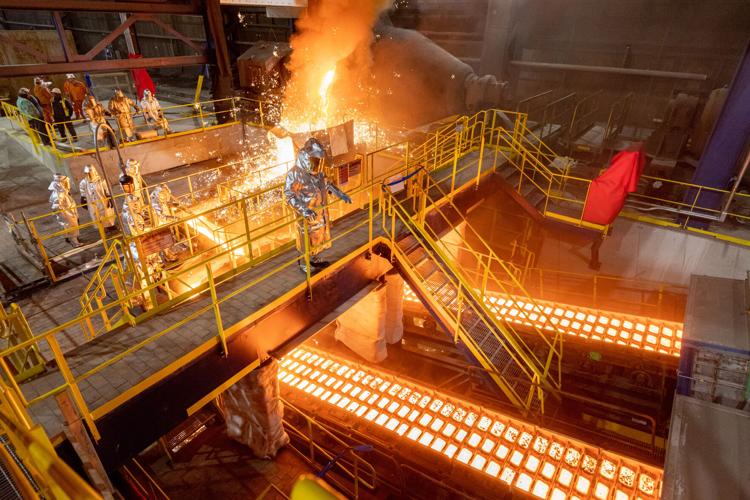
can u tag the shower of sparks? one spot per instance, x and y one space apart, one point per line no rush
532 460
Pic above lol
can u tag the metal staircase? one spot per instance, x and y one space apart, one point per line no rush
525 371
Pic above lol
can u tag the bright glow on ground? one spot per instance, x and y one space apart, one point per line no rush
532 460
629 330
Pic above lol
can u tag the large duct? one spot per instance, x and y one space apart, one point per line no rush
420 82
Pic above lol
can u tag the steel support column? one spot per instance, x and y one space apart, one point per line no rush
221 78
722 155
497 36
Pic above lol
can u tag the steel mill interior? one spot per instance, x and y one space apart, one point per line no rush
376 249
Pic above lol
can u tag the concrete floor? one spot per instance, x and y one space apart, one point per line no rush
215 466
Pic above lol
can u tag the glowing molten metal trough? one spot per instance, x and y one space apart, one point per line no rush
530 459
660 336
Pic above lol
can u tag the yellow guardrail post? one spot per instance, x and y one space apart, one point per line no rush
306 256
42 251
217 311
459 305
481 157
246 221
74 389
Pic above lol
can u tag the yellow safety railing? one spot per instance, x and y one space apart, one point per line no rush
496 275
597 291
201 275
183 119
312 434
192 190
583 118
207 268
29 457
260 228
618 113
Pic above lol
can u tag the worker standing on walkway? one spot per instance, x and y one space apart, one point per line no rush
306 191
62 112
67 211
44 96
95 193
120 106
164 204
152 111
132 215
97 115
133 169
29 107
76 91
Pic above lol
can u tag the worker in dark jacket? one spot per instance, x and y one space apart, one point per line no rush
62 112
29 107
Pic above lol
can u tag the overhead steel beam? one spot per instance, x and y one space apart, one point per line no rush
99 65
102 6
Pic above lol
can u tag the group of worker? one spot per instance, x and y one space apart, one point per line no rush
97 199
306 191
43 106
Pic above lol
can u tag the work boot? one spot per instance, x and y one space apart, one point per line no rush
74 242
321 264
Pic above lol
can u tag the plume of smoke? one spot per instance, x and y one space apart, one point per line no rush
331 35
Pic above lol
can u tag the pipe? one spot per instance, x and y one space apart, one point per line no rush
737 182
613 70
112 135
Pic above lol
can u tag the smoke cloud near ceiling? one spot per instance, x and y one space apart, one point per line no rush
332 35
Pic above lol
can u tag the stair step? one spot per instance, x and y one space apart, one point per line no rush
417 256
536 199
527 190
507 171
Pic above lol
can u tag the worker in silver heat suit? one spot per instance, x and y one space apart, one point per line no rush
96 115
63 203
306 191
119 107
132 215
152 111
133 169
95 193
164 205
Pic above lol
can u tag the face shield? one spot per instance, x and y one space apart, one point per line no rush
119 94
315 153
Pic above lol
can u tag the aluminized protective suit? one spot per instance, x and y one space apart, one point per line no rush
164 204
133 169
306 190
95 114
120 106
61 201
132 215
152 110
98 198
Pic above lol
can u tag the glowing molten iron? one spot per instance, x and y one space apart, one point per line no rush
532 460
325 86
629 330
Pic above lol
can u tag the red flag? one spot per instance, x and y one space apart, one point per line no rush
608 191
141 78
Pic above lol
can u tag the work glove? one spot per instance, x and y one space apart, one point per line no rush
309 214
346 198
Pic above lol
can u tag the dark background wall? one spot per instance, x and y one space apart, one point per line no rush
696 36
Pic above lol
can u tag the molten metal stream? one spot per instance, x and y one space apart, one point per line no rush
530 459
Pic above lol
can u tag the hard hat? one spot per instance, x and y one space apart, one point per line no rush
70 75
56 91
